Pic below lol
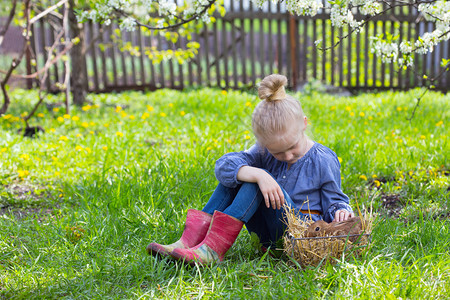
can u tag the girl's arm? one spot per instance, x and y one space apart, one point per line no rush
271 191
228 165
335 203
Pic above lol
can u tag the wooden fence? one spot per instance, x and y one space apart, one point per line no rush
249 43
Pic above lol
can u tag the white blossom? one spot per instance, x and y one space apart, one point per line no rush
128 24
304 7
167 8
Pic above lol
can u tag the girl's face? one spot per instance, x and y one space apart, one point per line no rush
290 146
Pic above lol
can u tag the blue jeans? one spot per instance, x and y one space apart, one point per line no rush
247 204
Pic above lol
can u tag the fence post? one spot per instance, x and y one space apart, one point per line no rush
293 49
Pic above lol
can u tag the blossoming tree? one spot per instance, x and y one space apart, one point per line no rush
168 15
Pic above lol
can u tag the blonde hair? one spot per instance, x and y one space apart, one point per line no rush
277 111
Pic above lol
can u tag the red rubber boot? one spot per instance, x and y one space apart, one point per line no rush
221 235
197 224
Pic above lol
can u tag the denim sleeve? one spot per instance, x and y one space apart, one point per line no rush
332 197
228 165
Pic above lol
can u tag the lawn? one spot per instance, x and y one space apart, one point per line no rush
79 203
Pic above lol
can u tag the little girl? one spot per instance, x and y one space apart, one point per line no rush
283 167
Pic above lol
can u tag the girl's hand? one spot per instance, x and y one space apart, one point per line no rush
342 215
271 191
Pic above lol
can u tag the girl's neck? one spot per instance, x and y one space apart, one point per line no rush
307 146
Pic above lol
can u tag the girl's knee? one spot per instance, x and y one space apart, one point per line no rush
251 186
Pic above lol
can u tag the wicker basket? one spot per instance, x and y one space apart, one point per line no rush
313 251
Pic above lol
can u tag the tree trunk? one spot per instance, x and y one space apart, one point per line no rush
78 61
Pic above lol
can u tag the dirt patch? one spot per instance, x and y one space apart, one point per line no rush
392 204
24 199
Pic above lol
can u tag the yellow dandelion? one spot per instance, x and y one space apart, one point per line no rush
91 123
352 137
118 133
209 148
182 161
340 160
40 115
106 124
118 108
60 119
25 157
362 114
170 104
248 104
78 148
88 150
399 108
377 183
52 130
91 132
367 131
333 107
132 117
363 177
374 176
352 114
105 148
85 124
56 109
145 115
348 108
123 114
79 135
224 92
23 173
86 107
370 118
440 123
75 118
150 108
57 173
162 114
54 158
66 116
247 137
3 149
63 138
423 137
182 113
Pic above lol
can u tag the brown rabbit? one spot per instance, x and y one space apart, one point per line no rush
348 227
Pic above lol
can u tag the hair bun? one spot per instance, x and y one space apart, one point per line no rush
271 88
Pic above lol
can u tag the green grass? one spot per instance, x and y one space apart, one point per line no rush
80 202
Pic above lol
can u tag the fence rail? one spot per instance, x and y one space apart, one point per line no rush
247 44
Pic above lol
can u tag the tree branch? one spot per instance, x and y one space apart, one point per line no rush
180 23
47 11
